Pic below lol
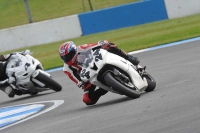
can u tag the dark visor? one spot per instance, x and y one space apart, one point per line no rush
68 57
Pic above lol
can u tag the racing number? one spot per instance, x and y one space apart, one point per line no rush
26 66
97 55
85 74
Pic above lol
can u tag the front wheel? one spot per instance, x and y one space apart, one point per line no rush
111 81
49 82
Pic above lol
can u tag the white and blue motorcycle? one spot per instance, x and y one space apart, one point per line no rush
114 73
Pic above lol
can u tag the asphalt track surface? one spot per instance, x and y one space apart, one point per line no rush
174 106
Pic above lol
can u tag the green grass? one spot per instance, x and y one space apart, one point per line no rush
13 12
128 39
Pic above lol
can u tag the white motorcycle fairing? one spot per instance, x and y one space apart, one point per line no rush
25 69
97 59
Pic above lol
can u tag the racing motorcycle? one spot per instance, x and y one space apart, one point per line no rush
114 73
29 74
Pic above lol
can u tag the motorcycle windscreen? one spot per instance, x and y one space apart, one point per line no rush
85 58
15 63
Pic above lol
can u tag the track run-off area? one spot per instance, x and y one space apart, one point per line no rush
173 107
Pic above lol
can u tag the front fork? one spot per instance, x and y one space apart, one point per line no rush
121 76
35 74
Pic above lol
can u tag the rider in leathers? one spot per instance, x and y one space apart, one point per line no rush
5 81
68 53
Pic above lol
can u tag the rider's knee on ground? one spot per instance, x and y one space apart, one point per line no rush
9 91
86 99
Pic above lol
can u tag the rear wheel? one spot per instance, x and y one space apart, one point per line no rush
151 82
49 82
112 81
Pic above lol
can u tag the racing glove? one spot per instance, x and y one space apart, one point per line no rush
25 52
102 42
80 84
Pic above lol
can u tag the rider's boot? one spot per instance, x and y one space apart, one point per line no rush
98 93
9 91
141 68
134 60
95 95
101 91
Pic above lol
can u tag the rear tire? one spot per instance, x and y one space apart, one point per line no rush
49 82
117 86
151 82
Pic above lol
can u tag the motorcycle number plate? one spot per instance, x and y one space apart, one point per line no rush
85 74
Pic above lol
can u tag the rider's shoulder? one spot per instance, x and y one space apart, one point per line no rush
85 46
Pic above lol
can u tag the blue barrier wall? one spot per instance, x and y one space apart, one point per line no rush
123 16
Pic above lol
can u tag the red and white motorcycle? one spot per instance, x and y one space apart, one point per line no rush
113 73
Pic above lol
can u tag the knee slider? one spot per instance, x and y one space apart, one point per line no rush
86 99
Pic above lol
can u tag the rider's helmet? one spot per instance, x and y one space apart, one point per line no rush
67 52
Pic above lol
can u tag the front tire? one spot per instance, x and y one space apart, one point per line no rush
49 82
119 87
